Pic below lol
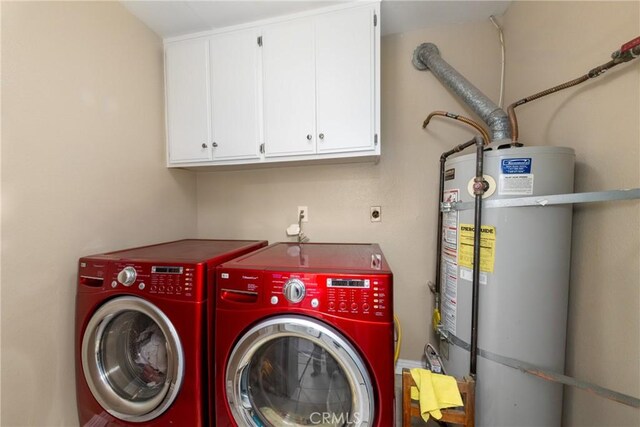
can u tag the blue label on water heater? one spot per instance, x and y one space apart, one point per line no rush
516 166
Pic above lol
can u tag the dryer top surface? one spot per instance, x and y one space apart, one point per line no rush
348 257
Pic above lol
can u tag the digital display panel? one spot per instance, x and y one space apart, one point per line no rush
348 283
166 270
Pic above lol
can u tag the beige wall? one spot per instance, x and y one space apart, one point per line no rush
82 172
262 203
549 43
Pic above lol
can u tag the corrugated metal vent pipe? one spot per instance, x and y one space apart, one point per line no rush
427 57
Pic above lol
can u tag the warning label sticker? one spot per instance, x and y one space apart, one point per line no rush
449 273
449 294
514 185
450 225
487 247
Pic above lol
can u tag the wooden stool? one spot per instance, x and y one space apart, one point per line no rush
463 416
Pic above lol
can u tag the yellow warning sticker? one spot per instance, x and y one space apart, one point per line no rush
487 247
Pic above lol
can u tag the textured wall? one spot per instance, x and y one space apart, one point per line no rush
82 172
549 43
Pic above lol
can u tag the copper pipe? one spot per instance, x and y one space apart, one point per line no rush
467 121
591 74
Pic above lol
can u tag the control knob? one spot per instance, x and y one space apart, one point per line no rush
127 276
294 290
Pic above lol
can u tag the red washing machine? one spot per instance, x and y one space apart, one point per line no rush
304 337
141 332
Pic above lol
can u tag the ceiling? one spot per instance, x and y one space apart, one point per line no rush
175 18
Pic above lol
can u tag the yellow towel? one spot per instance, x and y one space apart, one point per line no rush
435 392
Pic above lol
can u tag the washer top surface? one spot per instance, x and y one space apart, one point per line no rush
188 250
349 257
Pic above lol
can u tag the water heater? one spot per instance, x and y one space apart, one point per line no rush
524 282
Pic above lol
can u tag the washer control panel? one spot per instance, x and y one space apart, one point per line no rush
183 282
171 280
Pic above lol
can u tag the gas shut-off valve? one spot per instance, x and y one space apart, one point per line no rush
480 186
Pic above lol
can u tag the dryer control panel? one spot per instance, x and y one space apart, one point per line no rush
362 297
348 296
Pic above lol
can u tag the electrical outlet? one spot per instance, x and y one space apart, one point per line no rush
305 213
375 214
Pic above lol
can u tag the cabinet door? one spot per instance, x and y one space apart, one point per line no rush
289 88
345 47
187 97
235 74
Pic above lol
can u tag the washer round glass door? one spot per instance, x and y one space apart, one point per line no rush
132 359
296 371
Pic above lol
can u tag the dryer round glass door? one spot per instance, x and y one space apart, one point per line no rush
132 359
297 371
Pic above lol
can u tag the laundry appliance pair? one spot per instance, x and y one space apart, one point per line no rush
297 335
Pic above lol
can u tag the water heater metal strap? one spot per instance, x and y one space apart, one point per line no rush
554 199
546 374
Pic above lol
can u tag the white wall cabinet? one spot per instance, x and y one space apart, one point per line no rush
212 95
187 101
235 74
304 87
345 81
288 62
319 92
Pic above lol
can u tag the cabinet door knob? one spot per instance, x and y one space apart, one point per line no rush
321 136
214 145
204 145
309 137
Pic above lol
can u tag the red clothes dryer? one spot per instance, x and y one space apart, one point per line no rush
304 337
141 331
